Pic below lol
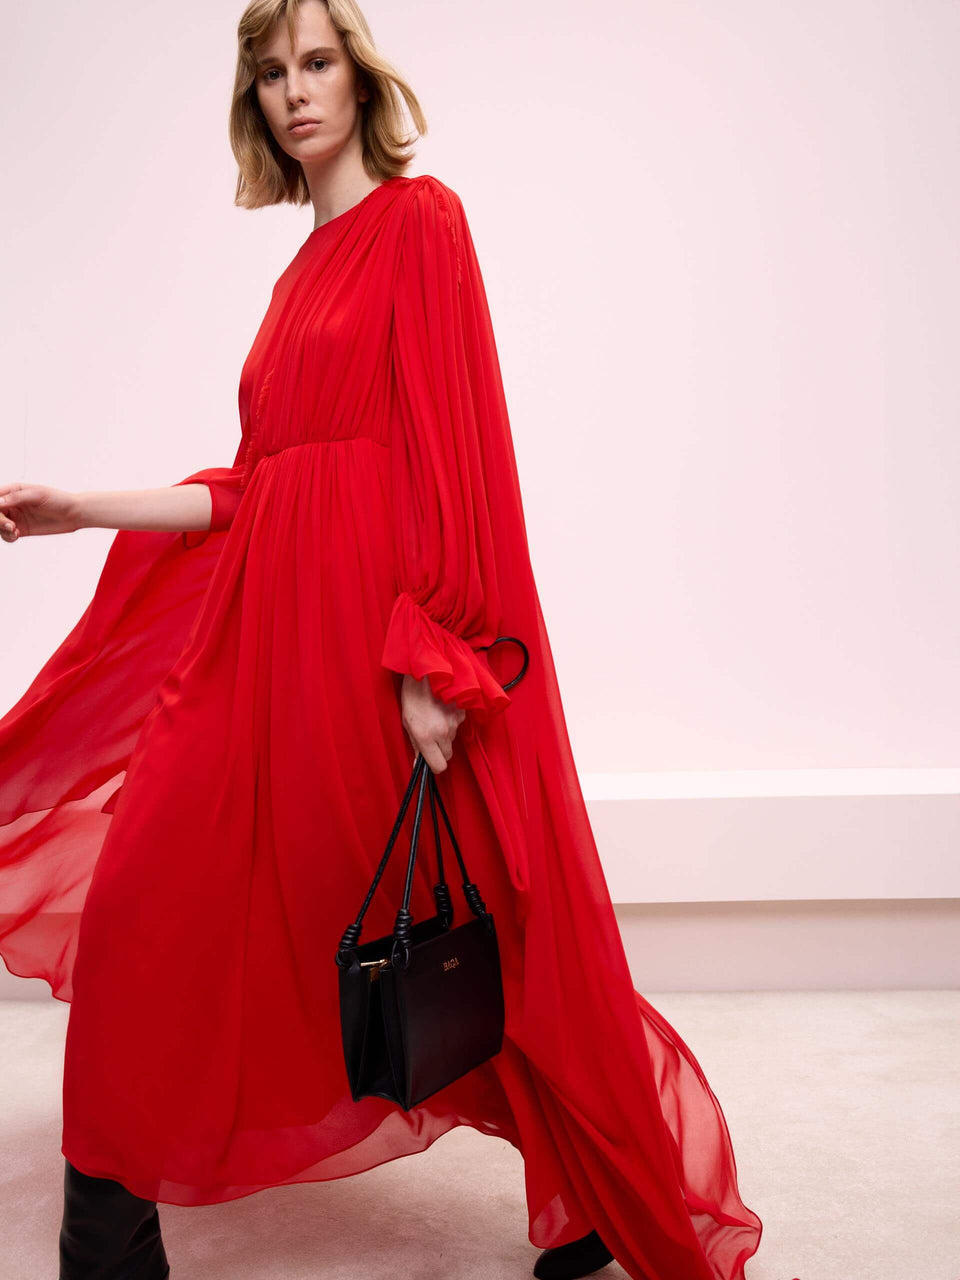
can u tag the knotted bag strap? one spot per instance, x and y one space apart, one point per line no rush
423 775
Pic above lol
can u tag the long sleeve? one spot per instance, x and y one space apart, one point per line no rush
447 432
226 490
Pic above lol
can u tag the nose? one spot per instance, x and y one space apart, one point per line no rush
295 93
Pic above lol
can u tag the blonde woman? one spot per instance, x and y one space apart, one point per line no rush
198 784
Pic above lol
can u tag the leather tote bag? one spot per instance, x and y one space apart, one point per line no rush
423 1005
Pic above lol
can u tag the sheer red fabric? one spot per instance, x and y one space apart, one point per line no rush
196 789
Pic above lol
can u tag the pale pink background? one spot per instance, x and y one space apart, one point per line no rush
719 242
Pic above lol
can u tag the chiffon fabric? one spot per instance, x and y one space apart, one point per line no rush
196 789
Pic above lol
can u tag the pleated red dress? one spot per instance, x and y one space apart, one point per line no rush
198 785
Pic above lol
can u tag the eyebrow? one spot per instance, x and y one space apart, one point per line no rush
311 53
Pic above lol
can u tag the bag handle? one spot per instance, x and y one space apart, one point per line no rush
526 657
422 774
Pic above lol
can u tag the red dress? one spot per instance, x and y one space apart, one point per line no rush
197 787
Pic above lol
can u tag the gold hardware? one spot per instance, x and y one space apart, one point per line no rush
374 966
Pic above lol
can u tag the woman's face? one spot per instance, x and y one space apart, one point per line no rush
315 80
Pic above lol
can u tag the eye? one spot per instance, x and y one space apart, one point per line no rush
269 73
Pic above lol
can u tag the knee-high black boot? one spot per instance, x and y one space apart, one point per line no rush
571 1261
107 1232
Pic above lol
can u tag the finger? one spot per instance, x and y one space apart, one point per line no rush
434 757
455 717
11 497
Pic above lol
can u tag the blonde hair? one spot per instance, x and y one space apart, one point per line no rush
267 174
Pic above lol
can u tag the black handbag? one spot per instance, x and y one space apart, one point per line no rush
423 1005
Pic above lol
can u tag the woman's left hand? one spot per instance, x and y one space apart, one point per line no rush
431 724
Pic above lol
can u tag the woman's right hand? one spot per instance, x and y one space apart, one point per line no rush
35 509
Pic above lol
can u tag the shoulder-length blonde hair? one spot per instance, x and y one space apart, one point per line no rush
267 174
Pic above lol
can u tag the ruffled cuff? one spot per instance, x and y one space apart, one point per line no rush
416 645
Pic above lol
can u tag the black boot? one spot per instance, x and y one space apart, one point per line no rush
108 1233
569 1261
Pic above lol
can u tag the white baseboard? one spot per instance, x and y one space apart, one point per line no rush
793 946
777 835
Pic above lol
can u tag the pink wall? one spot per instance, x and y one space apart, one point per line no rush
720 247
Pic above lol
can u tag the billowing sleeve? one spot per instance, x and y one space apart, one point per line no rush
445 436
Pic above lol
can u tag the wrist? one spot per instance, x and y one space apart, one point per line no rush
422 688
78 512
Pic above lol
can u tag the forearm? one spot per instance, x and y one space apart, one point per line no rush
179 508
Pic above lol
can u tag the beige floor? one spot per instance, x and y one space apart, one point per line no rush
844 1110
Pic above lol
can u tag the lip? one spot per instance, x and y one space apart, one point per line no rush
302 126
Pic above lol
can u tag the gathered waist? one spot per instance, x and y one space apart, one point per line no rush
359 465
321 444
346 446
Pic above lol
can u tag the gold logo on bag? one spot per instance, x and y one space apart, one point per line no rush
451 964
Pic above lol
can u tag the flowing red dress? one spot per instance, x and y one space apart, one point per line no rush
196 789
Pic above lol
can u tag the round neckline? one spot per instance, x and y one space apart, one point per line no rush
354 207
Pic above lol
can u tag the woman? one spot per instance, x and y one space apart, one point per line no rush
266 644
